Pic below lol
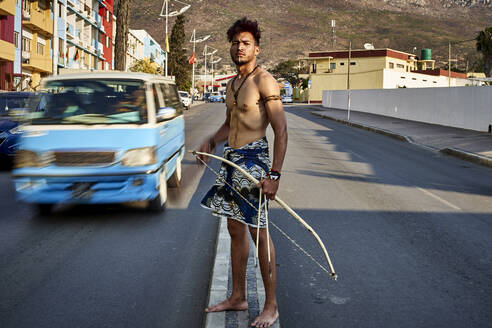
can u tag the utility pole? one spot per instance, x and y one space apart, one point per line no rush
205 85
449 64
348 80
55 44
333 36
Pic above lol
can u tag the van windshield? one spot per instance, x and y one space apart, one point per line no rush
92 101
10 102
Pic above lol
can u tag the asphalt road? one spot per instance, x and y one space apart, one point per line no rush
409 232
109 266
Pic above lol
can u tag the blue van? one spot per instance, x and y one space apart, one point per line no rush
108 137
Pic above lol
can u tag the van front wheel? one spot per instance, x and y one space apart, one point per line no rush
158 204
175 179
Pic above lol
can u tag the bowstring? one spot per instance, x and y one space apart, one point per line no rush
322 267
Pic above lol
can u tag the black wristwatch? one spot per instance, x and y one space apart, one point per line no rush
274 175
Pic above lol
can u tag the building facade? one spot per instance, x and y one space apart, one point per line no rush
36 35
152 50
374 69
135 50
7 46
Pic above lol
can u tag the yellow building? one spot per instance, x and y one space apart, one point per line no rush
329 70
37 30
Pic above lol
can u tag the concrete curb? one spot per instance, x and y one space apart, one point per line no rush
387 133
471 157
462 154
221 287
220 277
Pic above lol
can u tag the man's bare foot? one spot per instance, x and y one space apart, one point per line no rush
267 318
229 304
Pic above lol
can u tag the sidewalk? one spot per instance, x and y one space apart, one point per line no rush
469 145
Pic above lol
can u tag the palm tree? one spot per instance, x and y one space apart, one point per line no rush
484 44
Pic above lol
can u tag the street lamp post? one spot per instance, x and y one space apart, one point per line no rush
194 40
165 13
213 62
206 53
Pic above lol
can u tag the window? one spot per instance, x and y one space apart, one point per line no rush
16 40
342 64
60 10
26 44
107 41
171 97
333 65
400 66
391 65
107 15
40 49
313 68
352 63
26 5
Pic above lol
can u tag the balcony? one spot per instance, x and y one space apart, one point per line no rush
37 62
39 21
7 8
7 51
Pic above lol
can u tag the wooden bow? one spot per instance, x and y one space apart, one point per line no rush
279 201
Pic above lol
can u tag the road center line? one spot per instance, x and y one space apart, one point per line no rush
439 199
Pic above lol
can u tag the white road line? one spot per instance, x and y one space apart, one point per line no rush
439 199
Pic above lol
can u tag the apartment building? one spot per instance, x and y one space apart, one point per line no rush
152 50
87 34
37 30
136 48
7 46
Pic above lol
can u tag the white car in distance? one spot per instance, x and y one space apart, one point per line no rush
185 99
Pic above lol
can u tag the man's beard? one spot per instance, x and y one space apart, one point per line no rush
240 61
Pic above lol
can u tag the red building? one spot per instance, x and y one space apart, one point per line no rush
7 47
106 12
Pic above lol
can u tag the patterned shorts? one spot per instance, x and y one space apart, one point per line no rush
224 202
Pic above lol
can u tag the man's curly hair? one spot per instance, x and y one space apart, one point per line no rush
244 25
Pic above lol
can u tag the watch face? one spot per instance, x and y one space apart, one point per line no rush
274 176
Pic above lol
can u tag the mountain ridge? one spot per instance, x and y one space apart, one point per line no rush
291 28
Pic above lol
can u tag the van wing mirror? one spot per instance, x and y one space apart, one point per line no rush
165 113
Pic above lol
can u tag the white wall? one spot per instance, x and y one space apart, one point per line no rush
461 107
395 79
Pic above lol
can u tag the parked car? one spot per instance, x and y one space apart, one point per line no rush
106 137
13 109
185 99
286 99
216 97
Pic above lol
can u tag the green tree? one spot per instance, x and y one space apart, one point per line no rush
178 62
144 66
289 70
484 45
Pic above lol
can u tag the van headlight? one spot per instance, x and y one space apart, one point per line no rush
28 158
139 157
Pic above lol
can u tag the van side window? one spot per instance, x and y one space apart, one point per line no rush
171 97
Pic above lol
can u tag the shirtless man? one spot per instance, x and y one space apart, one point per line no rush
253 102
